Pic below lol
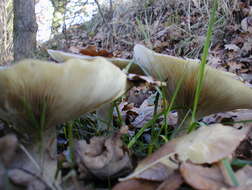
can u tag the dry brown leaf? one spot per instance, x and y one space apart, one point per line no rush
27 179
244 176
104 156
8 145
205 145
232 47
210 144
104 53
246 187
137 95
136 184
145 113
89 50
158 166
20 177
172 183
200 177
246 24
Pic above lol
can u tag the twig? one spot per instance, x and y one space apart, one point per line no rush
100 11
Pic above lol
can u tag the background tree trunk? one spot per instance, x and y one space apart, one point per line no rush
6 23
25 29
3 33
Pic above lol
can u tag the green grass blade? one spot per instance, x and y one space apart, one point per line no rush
241 163
230 171
203 63
141 131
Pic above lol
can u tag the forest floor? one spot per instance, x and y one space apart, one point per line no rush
174 28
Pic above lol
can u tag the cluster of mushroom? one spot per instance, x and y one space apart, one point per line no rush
38 95
219 90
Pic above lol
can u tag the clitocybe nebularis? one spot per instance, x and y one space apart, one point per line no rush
38 95
61 56
220 91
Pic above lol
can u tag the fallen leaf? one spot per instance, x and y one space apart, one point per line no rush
104 156
232 47
137 95
89 50
145 113
27 179
200 177
205 145
158 166
246 24
244 176
244 187
8 145
172 183
136 184
210 143
104 53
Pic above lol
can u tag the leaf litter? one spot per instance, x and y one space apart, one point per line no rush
230 52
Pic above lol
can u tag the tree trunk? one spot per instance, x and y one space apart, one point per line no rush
25 29
3 32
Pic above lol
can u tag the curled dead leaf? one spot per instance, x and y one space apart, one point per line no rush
104 156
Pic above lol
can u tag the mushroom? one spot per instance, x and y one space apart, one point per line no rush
220 91
38 95
61 56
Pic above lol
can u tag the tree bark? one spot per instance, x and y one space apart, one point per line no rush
3 30
25 29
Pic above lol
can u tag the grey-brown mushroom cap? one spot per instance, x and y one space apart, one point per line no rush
220 92
32 89
61 56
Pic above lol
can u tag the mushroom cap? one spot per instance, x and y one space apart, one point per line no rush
61 56
61 91
220 92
